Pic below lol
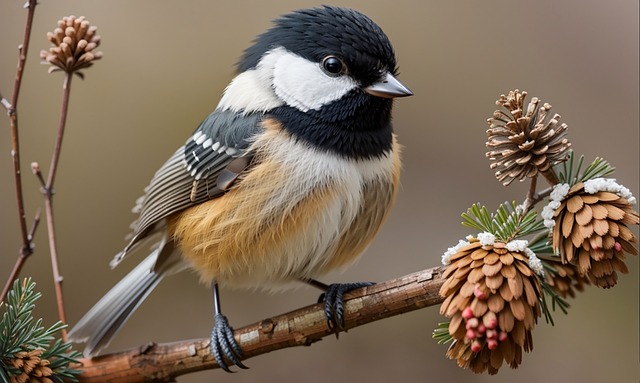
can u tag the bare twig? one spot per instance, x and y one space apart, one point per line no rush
12 111
529 202
48 193
66 88
533 197
537 197
35 169
20 260
302 327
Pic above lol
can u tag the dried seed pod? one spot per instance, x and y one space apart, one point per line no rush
74 43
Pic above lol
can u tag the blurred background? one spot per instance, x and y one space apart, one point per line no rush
165 65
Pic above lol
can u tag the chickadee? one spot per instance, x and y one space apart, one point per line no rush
290 177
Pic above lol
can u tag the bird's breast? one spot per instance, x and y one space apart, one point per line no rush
298 212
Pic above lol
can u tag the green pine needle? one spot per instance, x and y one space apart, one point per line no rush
507 223
550 296
441 333
19 331
571 173
540 244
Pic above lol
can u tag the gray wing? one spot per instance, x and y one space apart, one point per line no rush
190 176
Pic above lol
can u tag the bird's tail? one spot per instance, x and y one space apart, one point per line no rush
103 321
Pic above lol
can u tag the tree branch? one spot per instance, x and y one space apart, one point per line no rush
301 327
48 199
12 111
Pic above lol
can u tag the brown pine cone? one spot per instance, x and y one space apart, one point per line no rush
34 369
523 143
492 297
564 278
590 229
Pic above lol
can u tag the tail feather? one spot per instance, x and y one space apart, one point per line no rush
103 321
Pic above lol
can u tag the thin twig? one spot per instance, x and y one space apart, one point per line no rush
66 88
528 202
26 249
12 111
35 169
542 195
302 327
534 197
20 260
13 275
48 199
34 225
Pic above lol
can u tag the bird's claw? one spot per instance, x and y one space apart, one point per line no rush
223 344
334 302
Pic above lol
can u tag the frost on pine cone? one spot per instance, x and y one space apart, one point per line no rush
591 231
492 297
525 142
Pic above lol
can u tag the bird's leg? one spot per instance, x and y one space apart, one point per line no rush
223 344
333 298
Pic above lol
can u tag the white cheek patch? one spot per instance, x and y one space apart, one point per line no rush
282 77
248 93
302 84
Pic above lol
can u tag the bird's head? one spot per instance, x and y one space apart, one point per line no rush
314 57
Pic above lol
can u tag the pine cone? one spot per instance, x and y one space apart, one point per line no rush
74 42
34 369
591 230
491 295
564 278
523 144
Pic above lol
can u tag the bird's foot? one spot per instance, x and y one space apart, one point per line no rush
334 302
223 344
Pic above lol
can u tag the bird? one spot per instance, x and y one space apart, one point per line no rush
290 177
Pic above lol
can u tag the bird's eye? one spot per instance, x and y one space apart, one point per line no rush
332 65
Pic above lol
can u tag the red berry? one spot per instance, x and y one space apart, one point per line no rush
479 293
476 346
471 334
467 313
490 320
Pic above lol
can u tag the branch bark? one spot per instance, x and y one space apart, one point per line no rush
301 327
12 111
48 199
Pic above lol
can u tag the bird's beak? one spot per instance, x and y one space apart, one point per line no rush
388 87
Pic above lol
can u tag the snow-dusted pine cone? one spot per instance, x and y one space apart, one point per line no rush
492 297
590 230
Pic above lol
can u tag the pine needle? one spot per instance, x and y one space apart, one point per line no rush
20 333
